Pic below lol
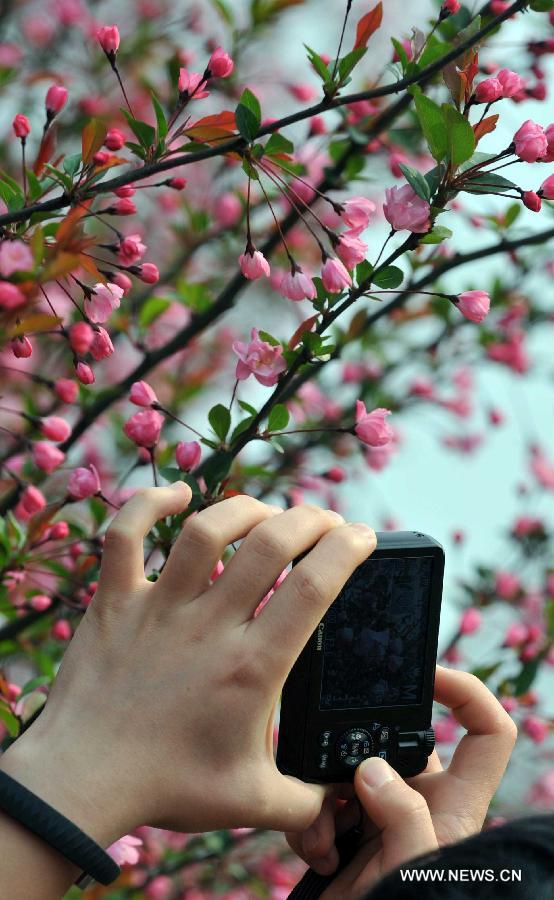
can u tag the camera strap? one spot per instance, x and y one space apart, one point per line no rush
312 885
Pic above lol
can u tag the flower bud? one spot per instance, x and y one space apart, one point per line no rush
123 281
547 188
40 602
56 98
80 337
178 184
474 305
84 373
21 126
108 38
32 500
62 630
66 389
220 65
21 347
11 297
488 91
144 428
532 201
46 456
101 346
142 394
59 531
148 273
55 428
187 454
115 139
83 483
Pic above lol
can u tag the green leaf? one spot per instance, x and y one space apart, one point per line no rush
389 278
248 115
432 124
216 468
219 418
318 63
549 615
247 407
401 53
350 61
417 181
434 50
145 133
34 185
512 213
488 182
242 426
151 309
10 721
363 271
35 683
541 5
71 164
171 473
160 118
439 234
460 136
527 674
224 10
278 144
266 336
278 418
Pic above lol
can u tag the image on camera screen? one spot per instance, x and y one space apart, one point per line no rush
375 636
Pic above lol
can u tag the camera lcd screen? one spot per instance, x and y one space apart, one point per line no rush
375 636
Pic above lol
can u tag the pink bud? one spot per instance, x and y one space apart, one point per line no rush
178 184
142 394
351 249
123 281
81 336
470 621
84 373
474 305
100 158
131 249
335 276
253 264
66 389
115 139
21 347
59 531
489 90
148 273
296 285
507 586
11 297
46 456
55 428
61 630
101 346
371 428
41 602
335 474
123 207
405 211
536 728
83 483
512 83
56 98
547 188
32 500
228 209
21 126
187 454
144 428
531 143
451 7
220 65
108 38
357 211
532 201
126 190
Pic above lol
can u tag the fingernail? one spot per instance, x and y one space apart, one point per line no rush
375 772
335 515
364 530
178 485
275 509
310 839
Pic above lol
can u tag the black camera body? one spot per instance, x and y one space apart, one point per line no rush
363 685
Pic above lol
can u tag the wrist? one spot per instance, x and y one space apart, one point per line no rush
54 767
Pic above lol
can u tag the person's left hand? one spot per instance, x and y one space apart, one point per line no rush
404 819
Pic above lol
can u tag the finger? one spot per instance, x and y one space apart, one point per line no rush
433 765
318 841
289 805
266 551
123 553
399 811
298 605
205 536
482 755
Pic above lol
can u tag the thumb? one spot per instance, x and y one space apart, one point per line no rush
290 804
400 812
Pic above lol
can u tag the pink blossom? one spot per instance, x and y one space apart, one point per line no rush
32 500
446 729
506 585
21 347
84 373
59 531
46 456
123 281
101 346
260 359
303 92
123 207
405 211
530 141
351 249
253 264
15 256
187 454
11 297
542 792
357 211
378 458
61 630
144 428
220 65
535 728
108 38
488 91
474 305
228 209
511 352
125 851
160 888
66 389
115 139
81 335
422 387
532 201
55 428
142 394
549 156
547 188
336 474
102 302
451 6
126 190
371 427
189 84
470 621
297 286
83 483
21 126
335 276
148 273
516 634
131 249
56 98
178 184
41 602
511 82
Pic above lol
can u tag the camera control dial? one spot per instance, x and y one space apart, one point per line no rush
354 746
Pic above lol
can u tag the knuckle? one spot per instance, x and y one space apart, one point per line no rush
119 535
263 541
308 584
201 535
244 670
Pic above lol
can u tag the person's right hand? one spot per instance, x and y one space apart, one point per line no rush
405 819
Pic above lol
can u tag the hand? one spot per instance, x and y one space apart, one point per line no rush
162 711
404 819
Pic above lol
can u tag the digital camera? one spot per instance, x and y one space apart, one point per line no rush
363 685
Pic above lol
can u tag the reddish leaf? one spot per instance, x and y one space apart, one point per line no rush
307 325
367 25
34 324
210 128
94 135
46 149
485 127
68 228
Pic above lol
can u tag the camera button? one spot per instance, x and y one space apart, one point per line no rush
383 754
323 762
384 736
325 738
